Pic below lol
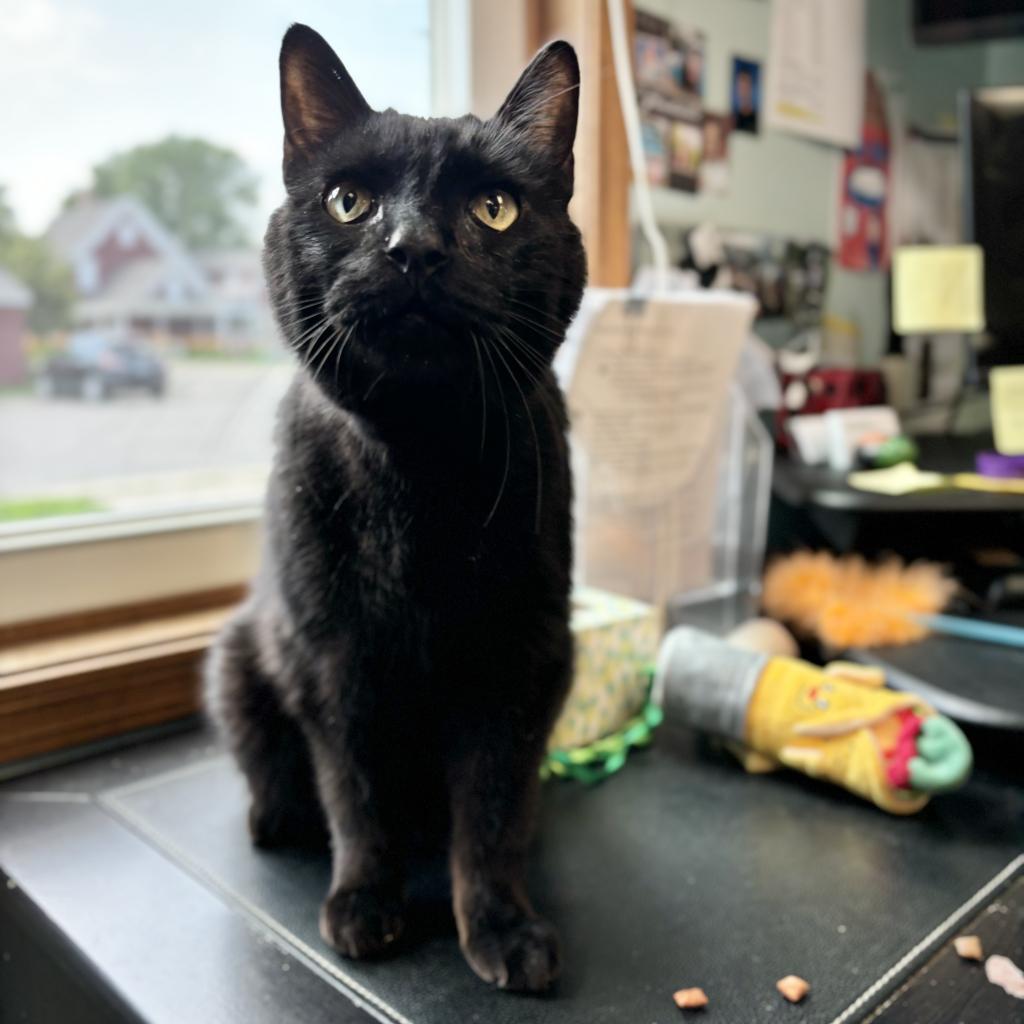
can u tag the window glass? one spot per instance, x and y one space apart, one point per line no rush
139 361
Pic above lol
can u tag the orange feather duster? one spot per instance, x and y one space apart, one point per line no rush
847 602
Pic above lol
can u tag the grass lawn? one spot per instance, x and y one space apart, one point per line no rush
17 509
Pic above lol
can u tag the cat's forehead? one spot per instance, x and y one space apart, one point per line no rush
431 150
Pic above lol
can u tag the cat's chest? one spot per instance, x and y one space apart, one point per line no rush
433 544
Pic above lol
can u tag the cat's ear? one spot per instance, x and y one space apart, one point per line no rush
544 103
318 97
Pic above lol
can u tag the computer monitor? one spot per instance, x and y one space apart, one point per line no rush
992 130
960 21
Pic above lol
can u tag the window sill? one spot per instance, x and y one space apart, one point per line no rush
76 681
55 571
85 529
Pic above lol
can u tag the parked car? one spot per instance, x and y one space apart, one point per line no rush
96 366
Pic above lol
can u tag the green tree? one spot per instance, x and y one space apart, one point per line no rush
197 189
8 225
31 261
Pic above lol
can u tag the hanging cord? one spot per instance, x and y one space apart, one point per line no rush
631 118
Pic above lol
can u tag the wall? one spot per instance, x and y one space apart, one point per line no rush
929 77
784 185
780 184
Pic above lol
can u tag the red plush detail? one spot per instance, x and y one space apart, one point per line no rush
897 770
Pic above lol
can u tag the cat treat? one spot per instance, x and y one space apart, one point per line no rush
690 999
968 947
793 988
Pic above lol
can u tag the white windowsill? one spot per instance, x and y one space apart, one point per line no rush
58 531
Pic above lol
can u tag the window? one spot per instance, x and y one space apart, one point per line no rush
139 361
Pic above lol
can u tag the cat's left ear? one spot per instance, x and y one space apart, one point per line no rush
318 97
544 103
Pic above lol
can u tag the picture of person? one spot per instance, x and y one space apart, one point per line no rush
669 67
714 168
693 68
746 94
684 162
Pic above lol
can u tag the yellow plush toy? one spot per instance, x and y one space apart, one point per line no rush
839 723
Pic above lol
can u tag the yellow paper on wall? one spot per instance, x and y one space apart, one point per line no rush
1006 387
938 288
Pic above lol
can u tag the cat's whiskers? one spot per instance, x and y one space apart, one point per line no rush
335 341
369 391
537 309
322 341
341 352
308 333
508 431
483 392
536 364
511 343
539 462
302 312
545 396
530 322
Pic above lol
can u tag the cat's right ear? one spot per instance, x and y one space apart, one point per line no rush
543 105
318 97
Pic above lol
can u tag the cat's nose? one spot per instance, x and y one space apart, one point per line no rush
419 253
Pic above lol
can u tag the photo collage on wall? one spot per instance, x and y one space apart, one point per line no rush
669 64
686 146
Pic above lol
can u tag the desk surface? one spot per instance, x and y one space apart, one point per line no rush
799 485
681 870
976 683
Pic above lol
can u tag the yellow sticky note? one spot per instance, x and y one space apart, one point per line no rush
938 288
1006 388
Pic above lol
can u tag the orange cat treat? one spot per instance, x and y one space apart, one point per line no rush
690 999
793 988
968 947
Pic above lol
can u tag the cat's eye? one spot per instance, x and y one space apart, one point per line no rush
496 208
348 202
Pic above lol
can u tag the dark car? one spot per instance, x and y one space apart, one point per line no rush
96 366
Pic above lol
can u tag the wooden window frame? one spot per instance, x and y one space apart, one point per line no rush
131 618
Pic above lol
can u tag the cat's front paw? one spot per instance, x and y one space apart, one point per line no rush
521 956
361 923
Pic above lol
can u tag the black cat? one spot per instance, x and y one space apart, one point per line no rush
395 673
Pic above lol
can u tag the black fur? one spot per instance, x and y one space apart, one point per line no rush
395 672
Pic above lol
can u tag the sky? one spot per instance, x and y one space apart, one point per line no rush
82 79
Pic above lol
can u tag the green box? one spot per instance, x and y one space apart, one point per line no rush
616 642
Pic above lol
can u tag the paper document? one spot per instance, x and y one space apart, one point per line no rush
648 391
1006 385
815 83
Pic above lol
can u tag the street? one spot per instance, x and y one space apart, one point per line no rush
215 420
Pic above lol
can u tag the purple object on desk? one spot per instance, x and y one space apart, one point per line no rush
994 464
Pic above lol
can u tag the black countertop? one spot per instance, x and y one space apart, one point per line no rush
680 871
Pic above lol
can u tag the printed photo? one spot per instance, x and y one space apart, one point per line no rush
746 95
714 167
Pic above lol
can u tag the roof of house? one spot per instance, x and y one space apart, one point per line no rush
87 221
139 288
13 294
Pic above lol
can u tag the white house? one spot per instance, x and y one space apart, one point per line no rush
132 274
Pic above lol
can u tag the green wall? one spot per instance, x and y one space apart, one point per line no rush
781 184
784 185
